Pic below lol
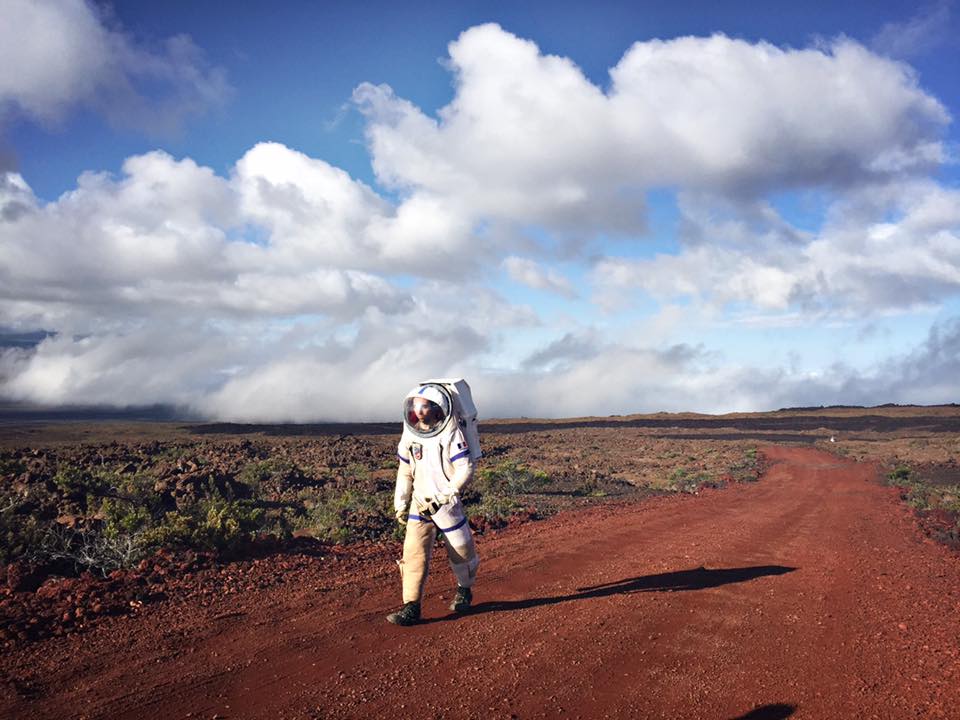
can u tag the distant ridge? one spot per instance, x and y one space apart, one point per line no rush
11 412
860 407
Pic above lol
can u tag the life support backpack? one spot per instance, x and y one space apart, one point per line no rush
464 411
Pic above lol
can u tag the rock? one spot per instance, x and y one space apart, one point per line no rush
68 520
22 577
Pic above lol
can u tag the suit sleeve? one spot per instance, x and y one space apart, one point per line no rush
463 465
404 490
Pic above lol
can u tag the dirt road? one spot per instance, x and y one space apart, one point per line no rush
806 595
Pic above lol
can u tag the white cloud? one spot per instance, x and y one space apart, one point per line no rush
256 369
528 139
59 54
169 236
594 378
859 262
287 290
928 28
530 273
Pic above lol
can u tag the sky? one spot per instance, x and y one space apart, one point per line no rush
297 211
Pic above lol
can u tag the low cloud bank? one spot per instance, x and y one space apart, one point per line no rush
365 380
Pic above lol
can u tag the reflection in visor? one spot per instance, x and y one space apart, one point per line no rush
423 417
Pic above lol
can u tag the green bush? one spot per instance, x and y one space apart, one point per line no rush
922 495
11 467
223 524
173 530
344 516
509 478
682 481
492 497
590 486
494 509
745 470
900 474
271 477
20 534
74 482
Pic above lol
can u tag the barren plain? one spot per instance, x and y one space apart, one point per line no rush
800 564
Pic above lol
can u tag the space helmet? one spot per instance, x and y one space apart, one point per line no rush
426 409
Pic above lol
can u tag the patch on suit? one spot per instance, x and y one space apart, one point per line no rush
417 450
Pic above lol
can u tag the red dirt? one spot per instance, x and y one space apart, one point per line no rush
810 594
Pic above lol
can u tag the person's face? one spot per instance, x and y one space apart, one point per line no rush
424 410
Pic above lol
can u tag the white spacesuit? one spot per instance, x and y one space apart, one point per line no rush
435 464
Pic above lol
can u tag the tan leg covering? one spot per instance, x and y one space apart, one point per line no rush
463 561
417 548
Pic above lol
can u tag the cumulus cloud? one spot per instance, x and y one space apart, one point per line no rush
528 139
170 235
894 247
256 295
287 290
60 54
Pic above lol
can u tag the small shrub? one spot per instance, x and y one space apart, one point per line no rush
74 482
493 510
685 481
681 481
900 474
357 471
224 523
949 536
745 470
11 467
343 516
590 487
89 549
509 478
266 478
173 530
20 533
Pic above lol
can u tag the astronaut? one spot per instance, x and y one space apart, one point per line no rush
435 464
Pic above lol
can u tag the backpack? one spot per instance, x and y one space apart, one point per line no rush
464 410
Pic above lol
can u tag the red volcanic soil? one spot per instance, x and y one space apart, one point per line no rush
809 594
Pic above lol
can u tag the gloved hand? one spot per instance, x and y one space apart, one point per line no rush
402 516
431 505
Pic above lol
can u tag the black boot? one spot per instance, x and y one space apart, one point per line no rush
409 614
461 602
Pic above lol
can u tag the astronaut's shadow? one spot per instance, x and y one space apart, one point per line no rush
679 581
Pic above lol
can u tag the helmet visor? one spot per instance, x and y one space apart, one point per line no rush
424 417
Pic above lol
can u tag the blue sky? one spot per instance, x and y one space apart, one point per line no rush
584 209
293 66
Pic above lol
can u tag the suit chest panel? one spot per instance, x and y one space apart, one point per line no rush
427 458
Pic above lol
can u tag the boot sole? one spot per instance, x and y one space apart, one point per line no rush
401 621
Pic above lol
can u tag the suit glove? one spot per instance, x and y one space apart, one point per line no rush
435 503
402 516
